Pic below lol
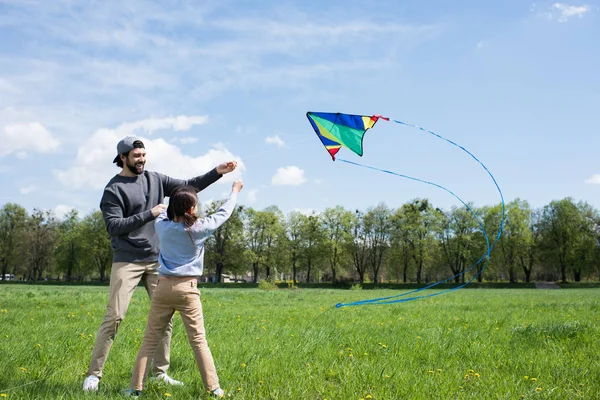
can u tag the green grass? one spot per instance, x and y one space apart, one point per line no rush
291 344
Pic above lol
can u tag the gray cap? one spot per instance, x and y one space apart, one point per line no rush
125 146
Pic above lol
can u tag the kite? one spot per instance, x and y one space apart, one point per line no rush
337 130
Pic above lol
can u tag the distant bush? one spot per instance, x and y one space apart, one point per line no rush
264 284
356 286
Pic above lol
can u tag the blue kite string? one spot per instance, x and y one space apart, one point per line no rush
380 300
388 300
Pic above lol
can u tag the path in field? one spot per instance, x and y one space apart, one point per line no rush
546 285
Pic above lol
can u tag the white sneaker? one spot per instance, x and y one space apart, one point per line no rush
90 384
218 392
166 379
131 393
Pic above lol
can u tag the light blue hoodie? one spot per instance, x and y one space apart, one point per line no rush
182 254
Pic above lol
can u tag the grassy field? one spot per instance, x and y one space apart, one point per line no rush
291 344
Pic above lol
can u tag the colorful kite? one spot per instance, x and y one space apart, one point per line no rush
336 130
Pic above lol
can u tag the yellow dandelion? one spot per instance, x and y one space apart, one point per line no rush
460 387
476 375
23 369
260 382
471 371
167 394
522 396
39 345
365 354
537 389
387 377
243 365
308 365
3 395
239 389
418 337
533 379
138 330
440 370
368 396
430 371
350 355
526 377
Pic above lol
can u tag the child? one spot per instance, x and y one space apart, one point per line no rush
181 235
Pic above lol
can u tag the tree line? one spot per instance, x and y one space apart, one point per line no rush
416 242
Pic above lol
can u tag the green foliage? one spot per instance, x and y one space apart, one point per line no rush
267 285
356 286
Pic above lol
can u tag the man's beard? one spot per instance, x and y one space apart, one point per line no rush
134 167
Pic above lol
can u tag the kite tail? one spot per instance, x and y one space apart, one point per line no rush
396 298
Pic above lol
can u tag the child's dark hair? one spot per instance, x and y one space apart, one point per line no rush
181 200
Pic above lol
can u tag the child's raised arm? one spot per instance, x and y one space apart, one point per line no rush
206 226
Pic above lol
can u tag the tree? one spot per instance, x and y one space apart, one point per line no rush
12 223
42 237
312 242
377 233
401 251
96 244
226 244
294 236
262 229
70 246
559 224
420 219
357 245
517 237
336 225
586 240
457 240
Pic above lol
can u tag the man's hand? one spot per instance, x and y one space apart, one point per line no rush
156 210
226 167
237 186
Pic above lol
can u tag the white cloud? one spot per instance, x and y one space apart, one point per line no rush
24 137
93 165
151 125
276 140
305 211
186 140
563 12
27 189
594 180
251 196
291 175
61 210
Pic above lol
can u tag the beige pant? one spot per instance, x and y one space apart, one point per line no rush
124 278
176 294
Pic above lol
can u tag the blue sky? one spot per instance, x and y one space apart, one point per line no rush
516 83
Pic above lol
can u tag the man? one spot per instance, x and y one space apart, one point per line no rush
130 203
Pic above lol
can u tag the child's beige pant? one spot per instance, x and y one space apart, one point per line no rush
175 294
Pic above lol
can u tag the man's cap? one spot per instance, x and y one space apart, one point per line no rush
125 146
